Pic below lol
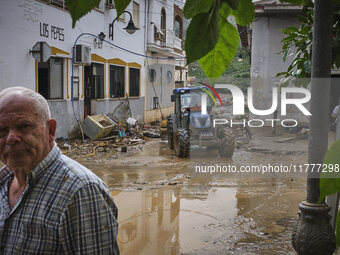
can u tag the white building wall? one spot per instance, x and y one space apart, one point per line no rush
162 87
20 23
266 63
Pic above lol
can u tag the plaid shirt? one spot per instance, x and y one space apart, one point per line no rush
64 209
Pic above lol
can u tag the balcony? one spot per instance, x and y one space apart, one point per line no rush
165 42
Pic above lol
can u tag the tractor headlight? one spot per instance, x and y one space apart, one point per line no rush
197 123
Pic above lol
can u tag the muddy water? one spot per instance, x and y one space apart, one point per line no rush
164 209
236 218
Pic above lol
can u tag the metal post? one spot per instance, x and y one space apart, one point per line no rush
314 234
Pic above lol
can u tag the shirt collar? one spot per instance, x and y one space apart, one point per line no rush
44 164
5 174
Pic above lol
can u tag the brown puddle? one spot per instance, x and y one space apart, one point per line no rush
247 217
168 221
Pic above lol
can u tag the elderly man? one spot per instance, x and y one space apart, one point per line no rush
49 204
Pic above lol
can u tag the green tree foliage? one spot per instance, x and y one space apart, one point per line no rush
298 42
219 58
237 73
79 8
211 38
202 33
330 181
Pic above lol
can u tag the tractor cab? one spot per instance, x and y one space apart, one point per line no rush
192 123
188 106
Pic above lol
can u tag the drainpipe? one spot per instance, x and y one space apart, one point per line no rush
314 234
146 24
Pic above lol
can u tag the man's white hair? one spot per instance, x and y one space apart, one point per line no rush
40 102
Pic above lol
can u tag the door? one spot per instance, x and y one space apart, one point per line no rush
87 90
43 77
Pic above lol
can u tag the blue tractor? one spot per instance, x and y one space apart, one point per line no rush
190 124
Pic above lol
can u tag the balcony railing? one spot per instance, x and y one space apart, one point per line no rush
164 38
177 43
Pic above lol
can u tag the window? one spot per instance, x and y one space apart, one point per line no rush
117 81
155 103
169 76
135 14
50 78
152 75
60 3
178 27
75 87
97 81
163 26
163 20
110 3
134 74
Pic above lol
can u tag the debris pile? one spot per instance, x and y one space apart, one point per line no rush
108 138
301 133
98 126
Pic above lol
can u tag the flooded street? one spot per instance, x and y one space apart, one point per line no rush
250 217
164 208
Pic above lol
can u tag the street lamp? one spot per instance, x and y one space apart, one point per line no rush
98 41
101 36
130 28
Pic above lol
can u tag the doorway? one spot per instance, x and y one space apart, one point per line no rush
87 90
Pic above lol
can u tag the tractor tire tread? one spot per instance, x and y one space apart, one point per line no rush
184 143
227 139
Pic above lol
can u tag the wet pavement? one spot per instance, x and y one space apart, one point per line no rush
166 209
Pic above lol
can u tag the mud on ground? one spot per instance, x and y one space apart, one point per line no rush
166 209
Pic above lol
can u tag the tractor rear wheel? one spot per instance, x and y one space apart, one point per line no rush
227 145
182 143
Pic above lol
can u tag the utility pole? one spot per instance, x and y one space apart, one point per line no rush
314 235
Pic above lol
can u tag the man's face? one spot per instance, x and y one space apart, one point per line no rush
25 139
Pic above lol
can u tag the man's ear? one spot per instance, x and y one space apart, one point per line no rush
52 126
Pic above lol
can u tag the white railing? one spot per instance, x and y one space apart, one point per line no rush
166 38
177 43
